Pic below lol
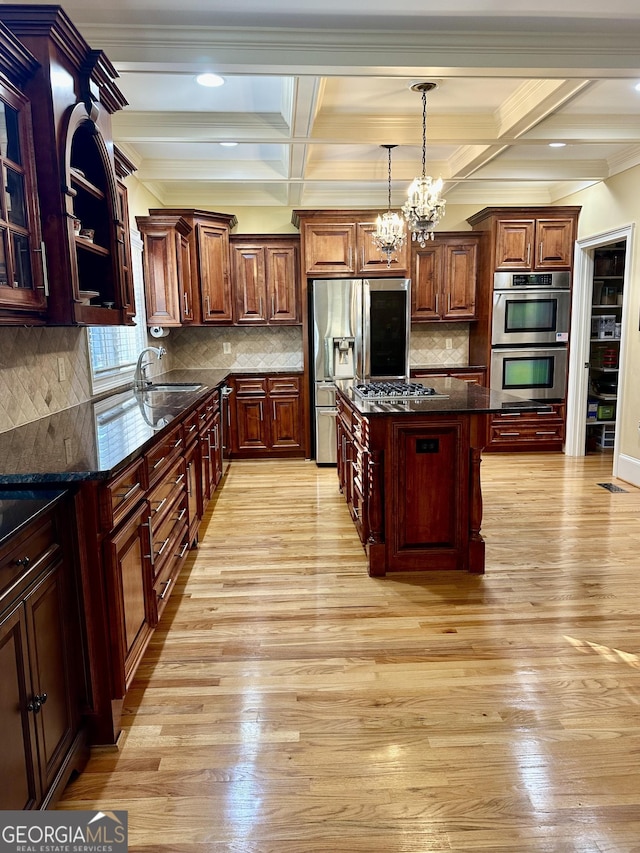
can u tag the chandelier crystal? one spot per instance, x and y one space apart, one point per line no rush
424 208
389 234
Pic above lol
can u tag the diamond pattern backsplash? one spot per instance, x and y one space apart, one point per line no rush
30 385
429 345
261 348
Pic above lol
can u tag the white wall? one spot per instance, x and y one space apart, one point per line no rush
616 204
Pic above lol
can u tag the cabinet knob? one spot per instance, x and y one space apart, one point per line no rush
23 561
37 702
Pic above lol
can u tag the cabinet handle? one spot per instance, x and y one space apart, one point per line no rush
545 432
186 304
23 561
166 585
510 414
177 443
179 480
193 427
37 702
540 253
350 255
159 462
163 546
45 268
183 550
127 494
261 308
150 556
261 411
528 254
181 514
207 303
273 306
274 410
160 505
503 434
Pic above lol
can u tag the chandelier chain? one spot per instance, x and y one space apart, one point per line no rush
424 133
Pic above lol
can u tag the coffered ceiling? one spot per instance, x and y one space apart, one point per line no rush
313 88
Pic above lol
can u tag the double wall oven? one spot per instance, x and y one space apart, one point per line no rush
530 334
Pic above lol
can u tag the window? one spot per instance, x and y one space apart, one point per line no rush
114 350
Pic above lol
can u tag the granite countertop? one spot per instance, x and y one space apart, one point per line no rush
456 397
94 439
19 508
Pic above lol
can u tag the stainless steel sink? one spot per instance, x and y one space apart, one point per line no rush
171 387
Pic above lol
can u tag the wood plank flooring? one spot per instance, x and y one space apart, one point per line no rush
291 704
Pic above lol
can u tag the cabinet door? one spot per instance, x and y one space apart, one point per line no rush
250 284
425 287
251 423
283 300
514 244
194 500
124 241
19 779
161 273
55 719
21 270
372 260
330 249
554 244
186 284
127 555
460 271
215 280
286 429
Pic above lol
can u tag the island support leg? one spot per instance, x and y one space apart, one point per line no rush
476 542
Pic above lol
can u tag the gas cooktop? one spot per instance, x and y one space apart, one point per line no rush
395 390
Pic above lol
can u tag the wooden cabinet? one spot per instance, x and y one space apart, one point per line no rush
22 280
74 96
210 442
167 270
266 280
527 430
40 719
128 570
534 244
352 434
477 376
210 261
267 416
443 282
337 244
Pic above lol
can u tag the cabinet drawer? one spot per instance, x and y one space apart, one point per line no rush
166 533
169 571
501 434
190 427
27 554
251 386
162 453
167 490
283 384
120 495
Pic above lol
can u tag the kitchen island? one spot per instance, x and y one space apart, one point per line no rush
410 472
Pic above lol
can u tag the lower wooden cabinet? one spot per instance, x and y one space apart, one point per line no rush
528 431
267 417
466 374
40 713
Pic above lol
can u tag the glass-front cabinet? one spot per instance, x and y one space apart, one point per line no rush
73 95
22 284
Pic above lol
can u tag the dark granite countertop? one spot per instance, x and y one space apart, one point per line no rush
92 440
19 508
457 397
95 439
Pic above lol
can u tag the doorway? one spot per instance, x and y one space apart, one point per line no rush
585 346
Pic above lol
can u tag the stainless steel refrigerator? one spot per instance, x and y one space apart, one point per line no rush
360 331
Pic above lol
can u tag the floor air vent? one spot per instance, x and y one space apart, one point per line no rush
610 487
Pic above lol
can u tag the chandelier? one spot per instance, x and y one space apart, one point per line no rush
424 208
389 234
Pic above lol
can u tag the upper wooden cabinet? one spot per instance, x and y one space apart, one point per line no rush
335 244
167 270
530 238
443 280
266 280
22 283
74 96
210 263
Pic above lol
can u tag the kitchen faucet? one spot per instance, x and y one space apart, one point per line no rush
140 381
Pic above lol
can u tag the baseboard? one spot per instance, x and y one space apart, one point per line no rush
628 469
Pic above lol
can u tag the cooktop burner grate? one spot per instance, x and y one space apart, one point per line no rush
394 390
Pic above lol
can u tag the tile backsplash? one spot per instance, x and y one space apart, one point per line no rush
32 360
42 370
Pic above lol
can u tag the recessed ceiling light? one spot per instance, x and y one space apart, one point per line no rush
637 87
210 80
557 144
228 144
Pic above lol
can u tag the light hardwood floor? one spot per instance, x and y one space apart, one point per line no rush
291 704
